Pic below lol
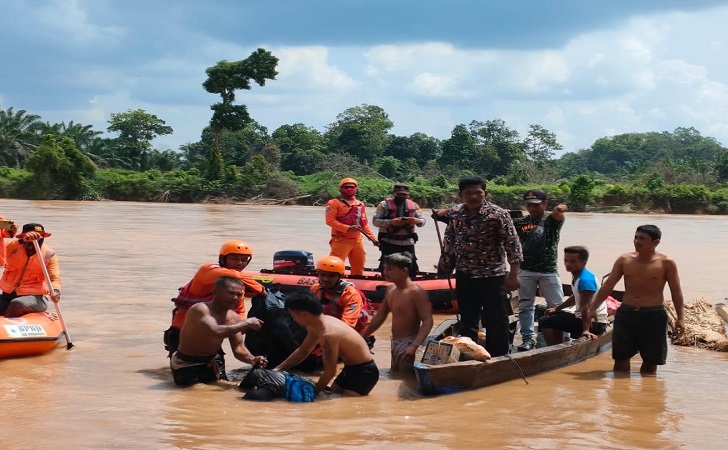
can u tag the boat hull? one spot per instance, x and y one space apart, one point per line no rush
31 334
372 284
465 375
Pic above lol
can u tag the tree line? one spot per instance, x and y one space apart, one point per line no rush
237 159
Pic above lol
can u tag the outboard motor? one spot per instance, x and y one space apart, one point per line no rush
293 261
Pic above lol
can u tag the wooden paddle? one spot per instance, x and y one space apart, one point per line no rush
69 344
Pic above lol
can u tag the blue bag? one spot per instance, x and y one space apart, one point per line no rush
299 389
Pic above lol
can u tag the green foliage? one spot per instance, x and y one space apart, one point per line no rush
581 192
137 129
360 131
59 170
15 183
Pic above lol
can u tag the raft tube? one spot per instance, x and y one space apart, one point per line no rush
31 334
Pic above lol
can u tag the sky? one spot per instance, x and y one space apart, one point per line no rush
583 69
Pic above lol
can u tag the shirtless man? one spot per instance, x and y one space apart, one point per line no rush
411 312
640 324
338 341
205 327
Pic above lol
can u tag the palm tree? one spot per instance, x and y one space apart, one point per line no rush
19 134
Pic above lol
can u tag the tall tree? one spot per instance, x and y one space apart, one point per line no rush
540 144
361 131
225 78
19 134
137 129
59 169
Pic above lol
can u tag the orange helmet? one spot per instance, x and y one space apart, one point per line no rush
348 181
331 264
237 247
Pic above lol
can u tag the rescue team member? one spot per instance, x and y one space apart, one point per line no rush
396 218
340 298
347 218
23 284
206 325
338 341
233 258
7 230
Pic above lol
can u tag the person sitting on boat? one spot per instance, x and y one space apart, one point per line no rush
556 320
539 233
411 312
340 298
233 257
347 218
7 230
23 282
206 325
396 218
338 341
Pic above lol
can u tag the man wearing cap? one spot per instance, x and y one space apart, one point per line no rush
539 233
23 284
396 218
347 218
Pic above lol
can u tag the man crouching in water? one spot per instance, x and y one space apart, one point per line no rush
338 340
206 325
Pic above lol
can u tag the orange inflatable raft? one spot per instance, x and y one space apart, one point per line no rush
295 269
31 334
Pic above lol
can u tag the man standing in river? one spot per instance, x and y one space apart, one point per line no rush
640 324
206 325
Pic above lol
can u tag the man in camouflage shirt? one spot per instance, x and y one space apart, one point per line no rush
479 240
539 233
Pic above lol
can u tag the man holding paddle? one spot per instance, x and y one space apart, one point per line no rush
23 282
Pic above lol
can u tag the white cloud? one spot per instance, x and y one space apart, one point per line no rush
71 23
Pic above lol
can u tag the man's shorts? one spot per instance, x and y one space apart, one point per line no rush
188 370
360 378
568 322
643 330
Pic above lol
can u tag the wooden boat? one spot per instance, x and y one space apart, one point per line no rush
294 269
464 375
31 334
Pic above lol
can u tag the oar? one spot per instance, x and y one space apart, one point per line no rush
442 251
69 344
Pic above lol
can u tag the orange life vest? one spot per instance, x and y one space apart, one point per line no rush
355 216
24 275
333 307
408 211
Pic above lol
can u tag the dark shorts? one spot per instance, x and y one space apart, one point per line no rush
360 378
642 330
188 370
568 322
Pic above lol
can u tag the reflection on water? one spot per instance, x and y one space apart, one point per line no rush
122 262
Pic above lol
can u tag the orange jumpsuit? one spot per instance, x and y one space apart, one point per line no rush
200 289
340 215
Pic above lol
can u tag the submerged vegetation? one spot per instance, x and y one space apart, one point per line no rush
237 160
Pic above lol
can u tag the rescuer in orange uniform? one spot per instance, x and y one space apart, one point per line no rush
7 230
233 258
340 298
23 282
348 220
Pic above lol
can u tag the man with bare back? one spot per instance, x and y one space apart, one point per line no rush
206 326
640 324
338 341
411 312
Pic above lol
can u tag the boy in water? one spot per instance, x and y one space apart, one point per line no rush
338 341
411 312
640 324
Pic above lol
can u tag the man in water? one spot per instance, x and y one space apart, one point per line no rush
23 283
479 241
396 218
411 312
556 321
338 341
206 326
347 217
539 233
640 324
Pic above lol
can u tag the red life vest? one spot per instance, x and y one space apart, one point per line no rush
355 216
392 213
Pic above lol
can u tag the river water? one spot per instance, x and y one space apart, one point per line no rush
122 262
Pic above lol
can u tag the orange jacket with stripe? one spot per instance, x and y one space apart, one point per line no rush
336 209
348 305
24 275
200 289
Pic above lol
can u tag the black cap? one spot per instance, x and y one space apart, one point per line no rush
33 227
534 196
